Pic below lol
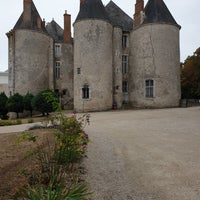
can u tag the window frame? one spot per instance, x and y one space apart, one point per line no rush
85 92
58 50
125 63
149 88
57 70
124 41
125 87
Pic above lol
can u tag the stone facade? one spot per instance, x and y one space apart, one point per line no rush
112 60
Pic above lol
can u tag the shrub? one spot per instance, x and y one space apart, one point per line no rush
30 120
15 104
55 177
9 122
3 109
45 102
27 99
71 140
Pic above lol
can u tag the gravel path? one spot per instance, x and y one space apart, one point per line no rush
145 155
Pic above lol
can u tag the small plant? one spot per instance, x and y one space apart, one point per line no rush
8 122
55 176
26 136
18 121
30 120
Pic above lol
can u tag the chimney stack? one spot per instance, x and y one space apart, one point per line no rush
27 13
39 24
81 3
139 12
67 28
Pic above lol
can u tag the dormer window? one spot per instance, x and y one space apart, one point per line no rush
124 41
57 50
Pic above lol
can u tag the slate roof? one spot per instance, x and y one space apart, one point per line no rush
34 16
92 9
118 17
55 31
157 11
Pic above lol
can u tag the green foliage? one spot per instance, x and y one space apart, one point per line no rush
8 122
71 140
77 192
18 121
190 77
3 109
26 136
30 120
55 177
27 99
15 104
45 102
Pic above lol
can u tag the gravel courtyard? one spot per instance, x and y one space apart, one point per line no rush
145 154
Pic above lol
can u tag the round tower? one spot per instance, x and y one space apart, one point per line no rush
92 58
30 50
155 57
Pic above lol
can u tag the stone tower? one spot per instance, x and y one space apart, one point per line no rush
30 53
93 74
154 57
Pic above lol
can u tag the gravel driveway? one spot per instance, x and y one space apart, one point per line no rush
145 154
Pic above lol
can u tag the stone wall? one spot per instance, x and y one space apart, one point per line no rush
117 66
65 83
93 56
155 55
30 62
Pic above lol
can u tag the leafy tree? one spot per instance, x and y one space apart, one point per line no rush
45 102
27 102
15 104
190 76
3 109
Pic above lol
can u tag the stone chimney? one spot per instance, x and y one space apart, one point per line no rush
139 12
81 3
39 24
67 28
27 13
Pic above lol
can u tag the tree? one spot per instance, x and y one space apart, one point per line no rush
45 102
3 109
15 104
190 76
27 102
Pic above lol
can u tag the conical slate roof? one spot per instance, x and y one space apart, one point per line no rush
34 16
92 9
118 17
157 11
55 31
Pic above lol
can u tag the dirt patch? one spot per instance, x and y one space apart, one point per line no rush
14 157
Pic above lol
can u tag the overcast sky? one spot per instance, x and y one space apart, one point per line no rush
185 12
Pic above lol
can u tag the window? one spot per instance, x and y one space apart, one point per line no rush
57 70
57 50
124 86
85 92
149 88
124 64
124 41
78 70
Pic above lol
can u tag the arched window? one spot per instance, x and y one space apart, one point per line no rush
85 92
149 88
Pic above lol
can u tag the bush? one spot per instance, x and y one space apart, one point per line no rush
45 102
9 122
55 177
15 104
27 99
30 120
3 109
